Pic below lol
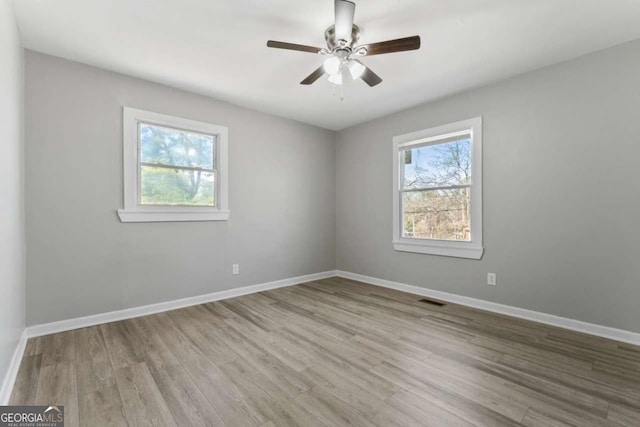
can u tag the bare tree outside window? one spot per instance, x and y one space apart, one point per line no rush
436 191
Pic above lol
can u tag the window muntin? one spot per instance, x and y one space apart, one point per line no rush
176 167
436 189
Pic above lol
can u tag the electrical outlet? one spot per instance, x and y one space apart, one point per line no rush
236 268
491 279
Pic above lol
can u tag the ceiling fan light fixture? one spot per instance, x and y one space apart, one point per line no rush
332 65
356 68
342 48
336 79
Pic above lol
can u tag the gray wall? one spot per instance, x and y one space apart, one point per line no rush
12 316
561 192
560 197
81 260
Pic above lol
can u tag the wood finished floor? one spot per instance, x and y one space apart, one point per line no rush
330 353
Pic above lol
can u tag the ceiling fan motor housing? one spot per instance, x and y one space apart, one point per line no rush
341 45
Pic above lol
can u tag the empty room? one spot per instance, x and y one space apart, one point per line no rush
319 213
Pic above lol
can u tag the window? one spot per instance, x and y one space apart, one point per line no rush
174 169
438 190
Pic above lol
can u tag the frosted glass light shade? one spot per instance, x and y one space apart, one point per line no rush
336 79
356 68
332 65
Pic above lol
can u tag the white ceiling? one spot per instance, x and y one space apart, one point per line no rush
218 47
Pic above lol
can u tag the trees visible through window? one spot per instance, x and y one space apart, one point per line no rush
176 167
437 198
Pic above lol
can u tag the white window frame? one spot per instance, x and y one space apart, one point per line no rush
135 212
461 249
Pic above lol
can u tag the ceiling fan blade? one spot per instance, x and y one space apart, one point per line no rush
390 46
293 46
344 19
311 78
370 77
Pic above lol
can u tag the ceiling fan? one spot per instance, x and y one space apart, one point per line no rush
343 49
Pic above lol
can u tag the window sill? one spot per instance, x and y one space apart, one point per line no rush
170 215
450 249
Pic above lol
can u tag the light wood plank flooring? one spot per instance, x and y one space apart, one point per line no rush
330 353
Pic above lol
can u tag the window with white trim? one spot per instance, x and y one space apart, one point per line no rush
437 190
175 169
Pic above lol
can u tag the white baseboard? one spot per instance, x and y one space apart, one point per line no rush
535 316
12 372
112 316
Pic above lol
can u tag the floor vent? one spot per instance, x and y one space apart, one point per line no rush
432 302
